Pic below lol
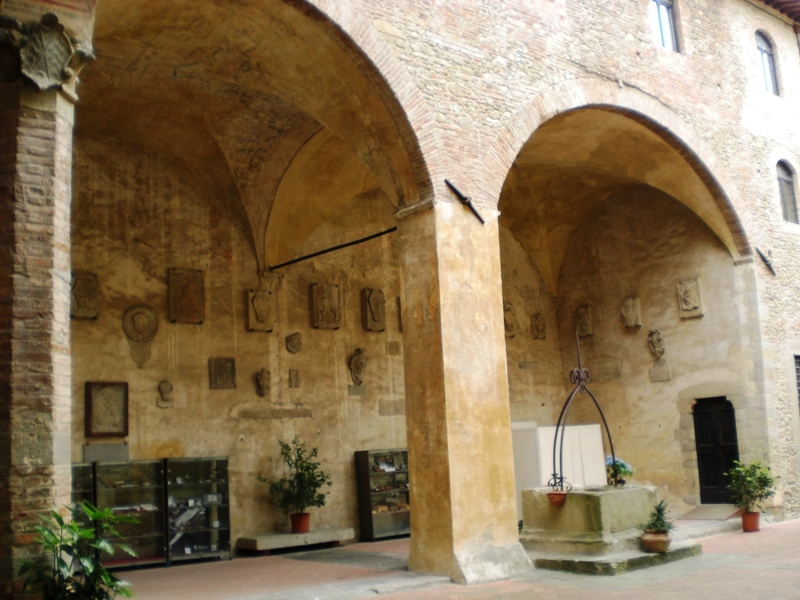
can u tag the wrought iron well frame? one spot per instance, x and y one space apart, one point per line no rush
579 377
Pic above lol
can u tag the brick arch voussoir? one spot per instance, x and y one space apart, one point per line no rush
408 107
634 104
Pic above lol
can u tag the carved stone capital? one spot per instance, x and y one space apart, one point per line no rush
42 54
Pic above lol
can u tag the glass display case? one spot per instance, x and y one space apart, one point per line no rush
383 505
134 488
198 512
82 483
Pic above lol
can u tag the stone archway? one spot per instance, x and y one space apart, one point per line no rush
207 122
602 204
615 97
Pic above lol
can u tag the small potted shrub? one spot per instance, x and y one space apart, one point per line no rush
655 536
623 470
300 489
749 486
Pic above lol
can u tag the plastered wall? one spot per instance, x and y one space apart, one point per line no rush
136 215
642 243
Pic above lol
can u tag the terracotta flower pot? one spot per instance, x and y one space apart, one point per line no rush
557 498
655 541
300 522
750 522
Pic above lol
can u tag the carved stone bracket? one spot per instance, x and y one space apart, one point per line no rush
42 54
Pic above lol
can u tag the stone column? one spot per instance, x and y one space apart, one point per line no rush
36 117
457 406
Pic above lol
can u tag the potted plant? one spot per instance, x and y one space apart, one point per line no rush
300 489
623 470
655 536
68 567
749 486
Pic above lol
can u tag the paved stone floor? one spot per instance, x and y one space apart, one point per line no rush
733 565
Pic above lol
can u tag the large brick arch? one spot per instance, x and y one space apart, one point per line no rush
412 114
634 104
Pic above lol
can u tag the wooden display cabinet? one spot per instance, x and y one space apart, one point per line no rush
383 502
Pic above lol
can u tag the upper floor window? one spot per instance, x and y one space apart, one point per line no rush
662 22
767 59
786 185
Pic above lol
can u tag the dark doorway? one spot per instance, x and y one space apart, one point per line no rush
717 447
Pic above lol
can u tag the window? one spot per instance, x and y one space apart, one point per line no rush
662 22
786 186
767 59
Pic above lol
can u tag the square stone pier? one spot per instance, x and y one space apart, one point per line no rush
591 522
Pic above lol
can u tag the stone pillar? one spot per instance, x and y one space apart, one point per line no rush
35 387
457 407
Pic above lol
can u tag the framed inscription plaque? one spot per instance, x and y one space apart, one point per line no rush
106 409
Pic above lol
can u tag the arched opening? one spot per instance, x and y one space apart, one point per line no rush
612 227
243 135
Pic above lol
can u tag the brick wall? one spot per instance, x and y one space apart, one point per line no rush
35 173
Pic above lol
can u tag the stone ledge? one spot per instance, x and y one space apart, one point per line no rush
616 564
276 541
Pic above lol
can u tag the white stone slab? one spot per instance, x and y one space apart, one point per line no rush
274 541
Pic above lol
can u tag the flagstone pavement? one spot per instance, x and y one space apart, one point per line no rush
733 565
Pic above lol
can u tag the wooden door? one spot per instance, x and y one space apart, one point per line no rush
717 447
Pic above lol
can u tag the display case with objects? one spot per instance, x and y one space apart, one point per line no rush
82 483
133 488
383 501
198 511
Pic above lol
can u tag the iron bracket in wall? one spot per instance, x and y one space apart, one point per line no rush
767 260
465 200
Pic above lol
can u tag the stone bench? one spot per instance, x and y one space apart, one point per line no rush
263 544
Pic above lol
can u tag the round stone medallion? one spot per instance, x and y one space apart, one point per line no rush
140 323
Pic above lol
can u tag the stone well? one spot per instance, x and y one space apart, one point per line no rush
592 521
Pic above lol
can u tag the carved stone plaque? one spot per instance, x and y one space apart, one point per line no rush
261 310
632 312
538 326
660 371
294 378
186 296
84 296
583 320
690 302
294 343
262 304
325 312
394 349
222 373
373 310
509 322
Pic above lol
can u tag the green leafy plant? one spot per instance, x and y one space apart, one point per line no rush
69 569
750 485
658 523
300 490
623 469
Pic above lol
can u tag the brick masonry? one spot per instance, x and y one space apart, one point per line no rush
491 75
35 376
